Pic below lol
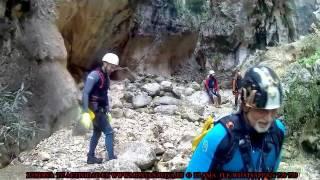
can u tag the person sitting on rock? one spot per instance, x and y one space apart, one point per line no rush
236 86
212 87
250 140
95 96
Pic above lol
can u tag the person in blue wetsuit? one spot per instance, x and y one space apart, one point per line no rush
251 139
95 97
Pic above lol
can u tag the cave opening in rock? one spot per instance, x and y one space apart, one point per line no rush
15 8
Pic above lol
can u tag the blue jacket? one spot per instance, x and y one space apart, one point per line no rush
206 154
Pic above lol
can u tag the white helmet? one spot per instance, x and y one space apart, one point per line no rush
111 58
261 88
211 72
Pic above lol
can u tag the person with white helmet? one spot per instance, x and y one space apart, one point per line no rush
95 97
251 139
212 87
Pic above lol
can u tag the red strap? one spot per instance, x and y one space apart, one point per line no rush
102 78
207 83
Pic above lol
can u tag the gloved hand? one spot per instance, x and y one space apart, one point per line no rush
211 93
109 117
86 120
107 109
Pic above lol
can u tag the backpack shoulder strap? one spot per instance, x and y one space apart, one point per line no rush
237 138
101 76
228 145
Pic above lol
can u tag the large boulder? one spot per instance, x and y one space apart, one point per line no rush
189 91
152 88
293 73
120 165
310 143
141 100
178 91
139 153
128 96
129 113
184 143
195 86
177 164
166 100
117 113
191 116
199 98
168 155
166 86
116 93
166 109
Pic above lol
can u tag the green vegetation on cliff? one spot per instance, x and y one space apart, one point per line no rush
302 106
302 102
302 99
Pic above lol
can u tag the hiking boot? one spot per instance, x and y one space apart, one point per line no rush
114 157
94 160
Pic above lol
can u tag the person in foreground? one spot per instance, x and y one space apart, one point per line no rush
250 140
95 97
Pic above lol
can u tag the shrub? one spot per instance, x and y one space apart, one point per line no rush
310 60
12 125
302 105
310 45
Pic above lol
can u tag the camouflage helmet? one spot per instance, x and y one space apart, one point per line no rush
261 88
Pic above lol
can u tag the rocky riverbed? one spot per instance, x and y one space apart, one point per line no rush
154 120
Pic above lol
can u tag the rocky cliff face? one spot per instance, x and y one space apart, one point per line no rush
237 27
159 40
33 53
146 34
143 33
91 28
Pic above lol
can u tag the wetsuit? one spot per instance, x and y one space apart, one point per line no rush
213 150
95 96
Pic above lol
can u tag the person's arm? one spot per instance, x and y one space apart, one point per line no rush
206 82
234 84
107 99
216 86
283 130
92 78
203 158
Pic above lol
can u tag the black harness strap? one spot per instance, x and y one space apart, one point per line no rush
245 149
